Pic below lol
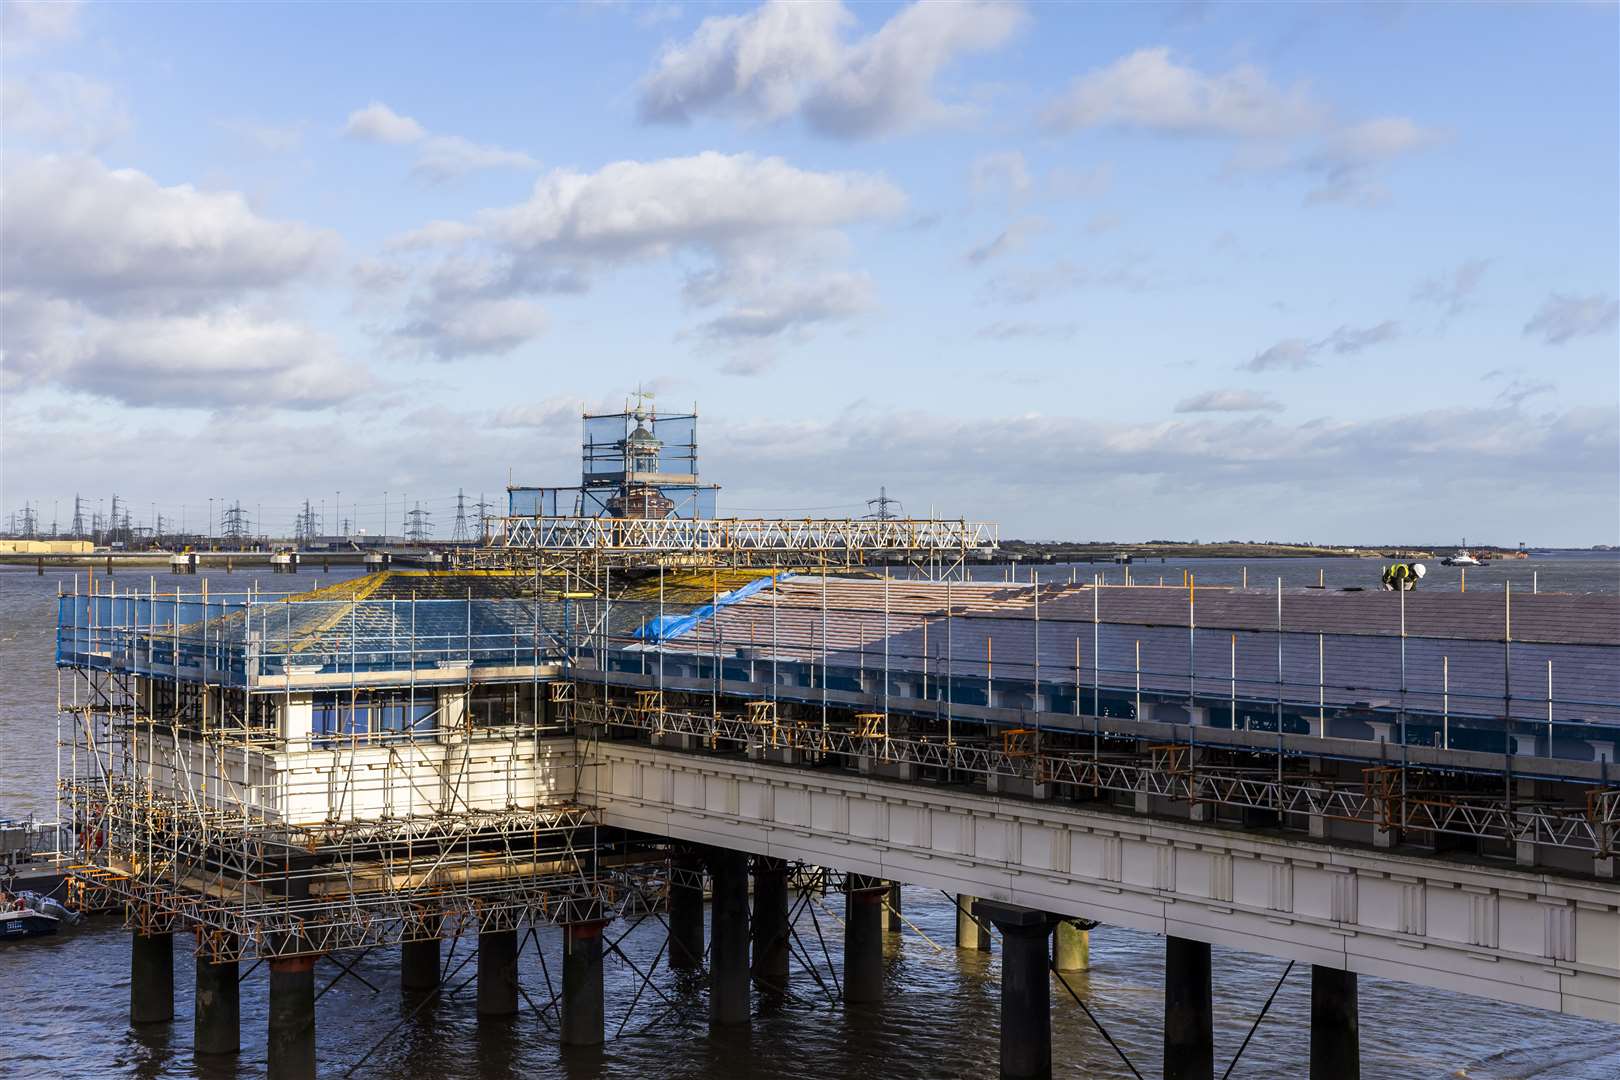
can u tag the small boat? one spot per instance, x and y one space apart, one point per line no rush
25 923
1461 558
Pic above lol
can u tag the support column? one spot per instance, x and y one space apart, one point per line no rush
1071 947
896 924
151 978
970 933
686 913
1189 1038
217 1012
419 964
769 924
863 940
291 1042
582 1012
729 998
1335 1025
1026 989
497 973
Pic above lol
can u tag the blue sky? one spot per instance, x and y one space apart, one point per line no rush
1340 273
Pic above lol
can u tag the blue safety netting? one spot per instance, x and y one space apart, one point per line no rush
668 627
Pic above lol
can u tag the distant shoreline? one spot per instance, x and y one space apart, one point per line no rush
1066 551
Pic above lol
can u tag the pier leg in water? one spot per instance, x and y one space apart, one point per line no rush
497 973
419 964
1189 1040
1071 947
863 940
151 978
217 1011
769 925
729 998
582 1010
1026 989
291 1042
685 913
970 932
1335 1026
896 924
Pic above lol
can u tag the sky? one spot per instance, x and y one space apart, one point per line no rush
1336 273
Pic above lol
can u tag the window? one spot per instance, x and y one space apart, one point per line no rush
371 717
503 706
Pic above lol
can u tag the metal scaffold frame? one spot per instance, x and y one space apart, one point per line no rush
942 544
192 806
1081 765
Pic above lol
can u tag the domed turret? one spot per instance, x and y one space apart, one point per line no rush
641 448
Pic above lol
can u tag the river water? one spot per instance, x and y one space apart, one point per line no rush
64 1001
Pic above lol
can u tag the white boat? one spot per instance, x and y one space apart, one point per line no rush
25 923
1461 558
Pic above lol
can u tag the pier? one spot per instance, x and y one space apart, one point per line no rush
589 720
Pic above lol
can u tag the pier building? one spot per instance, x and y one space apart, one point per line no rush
627 705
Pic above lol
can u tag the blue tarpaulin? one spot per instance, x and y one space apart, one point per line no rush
668 627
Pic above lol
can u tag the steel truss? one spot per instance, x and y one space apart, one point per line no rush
710 537
1173 772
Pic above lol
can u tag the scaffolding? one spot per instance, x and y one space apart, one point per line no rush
1250 710
297 775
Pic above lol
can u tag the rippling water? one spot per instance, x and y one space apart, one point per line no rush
64 1001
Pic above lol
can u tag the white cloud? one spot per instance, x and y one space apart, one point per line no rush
1563 317
1002 171
1453 291
1348 160
1278 128
439 158
1151 91
478 327
266 138
62 110
152 295
739 223
378 123
1290 354
1028 284
446 157
549 415
114 236
1219 401
218 358
710 201
1519 390
1009 240
25 24
785 58
794 306
1004 330
1351 339
1296 354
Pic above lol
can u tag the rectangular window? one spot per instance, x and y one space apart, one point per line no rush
370 717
